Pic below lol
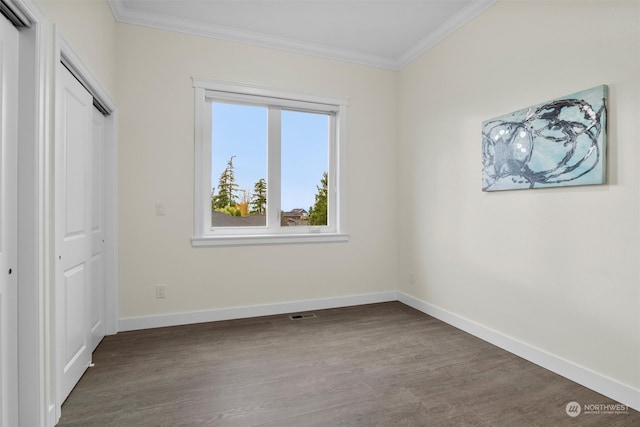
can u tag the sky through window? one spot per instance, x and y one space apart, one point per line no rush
241 131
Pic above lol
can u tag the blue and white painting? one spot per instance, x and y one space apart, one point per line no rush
557 143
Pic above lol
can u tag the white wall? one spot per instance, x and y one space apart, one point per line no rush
556 269
90 29
156 160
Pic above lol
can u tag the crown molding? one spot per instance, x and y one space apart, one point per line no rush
472 10
131 16
127 15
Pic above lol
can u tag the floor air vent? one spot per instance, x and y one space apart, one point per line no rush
302 316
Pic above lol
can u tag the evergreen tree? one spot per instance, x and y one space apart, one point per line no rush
227 188
318 212
259 199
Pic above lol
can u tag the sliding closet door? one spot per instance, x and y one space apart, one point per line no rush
73 205
8 223
98 282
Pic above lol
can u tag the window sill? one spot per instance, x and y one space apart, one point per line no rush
271 239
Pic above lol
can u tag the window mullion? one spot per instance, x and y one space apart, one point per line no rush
274 132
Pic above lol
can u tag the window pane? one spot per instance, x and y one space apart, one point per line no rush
238 165
305 155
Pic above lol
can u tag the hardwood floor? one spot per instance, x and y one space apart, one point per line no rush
374 365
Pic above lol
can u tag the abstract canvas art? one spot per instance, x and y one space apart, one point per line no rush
556 143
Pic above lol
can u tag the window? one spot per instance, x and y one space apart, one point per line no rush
268 166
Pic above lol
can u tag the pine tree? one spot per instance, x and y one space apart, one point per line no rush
259 199
227 188
318 212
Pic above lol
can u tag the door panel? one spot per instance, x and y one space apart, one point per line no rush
97 312
73 204
74 290
8 223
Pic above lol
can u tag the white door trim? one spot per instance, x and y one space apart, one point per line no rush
9 96
63 52
32 110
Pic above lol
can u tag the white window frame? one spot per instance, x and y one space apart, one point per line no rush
335 231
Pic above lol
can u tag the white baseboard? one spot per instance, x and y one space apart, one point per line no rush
596 382
174 319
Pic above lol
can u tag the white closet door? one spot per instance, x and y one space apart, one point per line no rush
98 291
73 202
8 223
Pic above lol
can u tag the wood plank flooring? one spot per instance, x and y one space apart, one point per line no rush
374 365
